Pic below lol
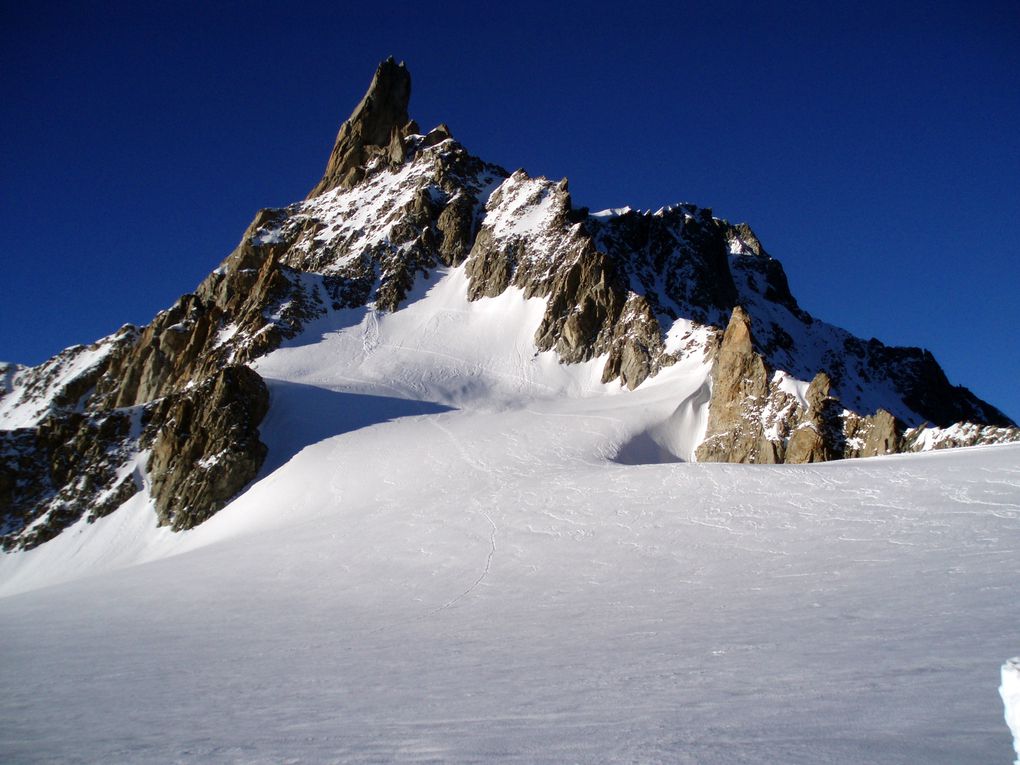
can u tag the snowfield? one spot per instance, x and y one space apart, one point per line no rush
462 551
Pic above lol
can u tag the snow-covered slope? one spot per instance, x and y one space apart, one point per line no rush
492 584
357 367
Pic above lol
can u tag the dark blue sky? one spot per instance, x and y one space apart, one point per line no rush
872 146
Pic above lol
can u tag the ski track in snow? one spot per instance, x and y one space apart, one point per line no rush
475 502
370 335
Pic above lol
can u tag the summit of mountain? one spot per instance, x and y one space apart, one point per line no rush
378 122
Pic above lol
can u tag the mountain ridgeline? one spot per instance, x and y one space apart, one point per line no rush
173 408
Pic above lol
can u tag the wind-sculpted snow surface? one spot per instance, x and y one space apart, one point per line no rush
492 585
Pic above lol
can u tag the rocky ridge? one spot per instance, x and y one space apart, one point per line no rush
173 408
760 414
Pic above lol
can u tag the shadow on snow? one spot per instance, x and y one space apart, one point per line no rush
301 415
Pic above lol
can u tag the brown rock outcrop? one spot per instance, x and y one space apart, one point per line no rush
872 435
753 419
206 447
819 435
69 467
375 126
926 437
636 351
740 388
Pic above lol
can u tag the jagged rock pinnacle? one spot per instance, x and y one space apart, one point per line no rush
381 115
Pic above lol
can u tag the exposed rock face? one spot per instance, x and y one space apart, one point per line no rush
76 456
70 466
172 407
376 127
532 239
636 349
206 447
676 257
65 382
926 438
740 387
872 435
755 416
819 435
372 243
601 274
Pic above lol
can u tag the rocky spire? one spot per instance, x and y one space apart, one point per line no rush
740 386
379 120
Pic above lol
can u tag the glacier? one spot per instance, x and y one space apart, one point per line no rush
479 577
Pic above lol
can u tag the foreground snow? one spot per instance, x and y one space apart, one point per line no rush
467 552
463 586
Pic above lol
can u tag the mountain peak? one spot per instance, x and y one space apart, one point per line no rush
381 114
422 272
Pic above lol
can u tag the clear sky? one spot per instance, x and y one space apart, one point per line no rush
872 146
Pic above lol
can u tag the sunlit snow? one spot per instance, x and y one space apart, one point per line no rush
460 550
